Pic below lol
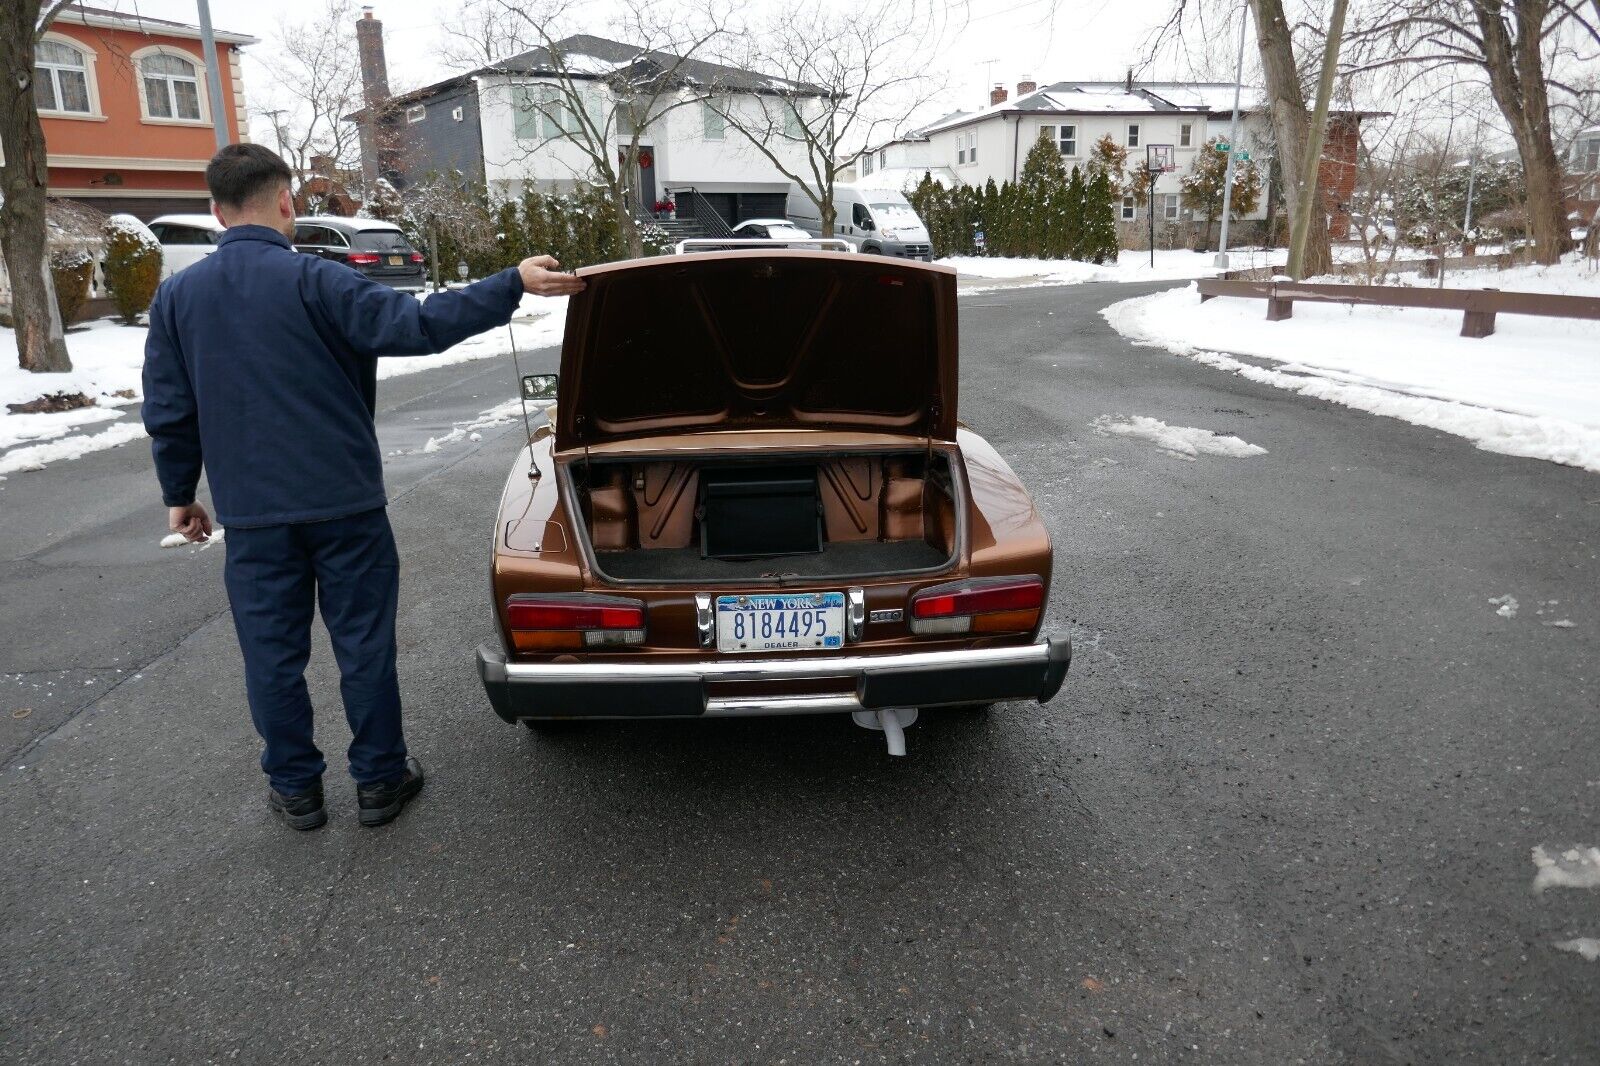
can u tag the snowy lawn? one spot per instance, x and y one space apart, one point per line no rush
1171 265
1531 389
108 359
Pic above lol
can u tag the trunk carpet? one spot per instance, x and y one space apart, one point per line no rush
844 558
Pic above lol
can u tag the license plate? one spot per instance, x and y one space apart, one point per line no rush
804 621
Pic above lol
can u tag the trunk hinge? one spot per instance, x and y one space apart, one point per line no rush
933 420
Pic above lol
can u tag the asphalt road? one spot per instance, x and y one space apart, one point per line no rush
1281 812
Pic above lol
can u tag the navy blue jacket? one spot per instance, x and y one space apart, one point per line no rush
263 363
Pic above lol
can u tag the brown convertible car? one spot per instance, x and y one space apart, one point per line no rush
754 498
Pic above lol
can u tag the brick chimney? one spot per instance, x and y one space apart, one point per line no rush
374 69
376 127
997 95
1026 85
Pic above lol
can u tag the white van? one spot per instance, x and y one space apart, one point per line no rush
879 221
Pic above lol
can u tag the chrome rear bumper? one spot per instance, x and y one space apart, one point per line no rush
678 690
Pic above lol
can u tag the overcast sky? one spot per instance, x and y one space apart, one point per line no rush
1051 40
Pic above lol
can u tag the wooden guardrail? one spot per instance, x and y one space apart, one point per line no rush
1426 267
1478 306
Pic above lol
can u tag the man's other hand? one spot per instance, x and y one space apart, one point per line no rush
540 277
192 521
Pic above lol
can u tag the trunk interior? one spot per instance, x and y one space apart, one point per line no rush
726 519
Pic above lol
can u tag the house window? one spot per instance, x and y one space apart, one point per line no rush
1130 210
1169 207
1186 135
883 158
171 87
60 78
456 113
967 147
1065 137
416 113
961 149
793 128
866 164
1586 156
542 113
716 125
1133 135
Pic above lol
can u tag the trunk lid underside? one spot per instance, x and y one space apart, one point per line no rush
759 340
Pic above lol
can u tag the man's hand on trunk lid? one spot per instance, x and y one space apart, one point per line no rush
540 276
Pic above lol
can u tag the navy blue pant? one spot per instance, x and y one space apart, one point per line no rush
349 567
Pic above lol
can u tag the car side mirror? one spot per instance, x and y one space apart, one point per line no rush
868 225
539 386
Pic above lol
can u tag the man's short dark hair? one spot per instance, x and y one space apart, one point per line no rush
239 173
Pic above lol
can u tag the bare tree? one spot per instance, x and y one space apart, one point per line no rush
24 182
604 104
480 33
868 70
1291 127
317 80
1511 42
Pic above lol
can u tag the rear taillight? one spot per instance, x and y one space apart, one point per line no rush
416 257
994 605
361 258
573 620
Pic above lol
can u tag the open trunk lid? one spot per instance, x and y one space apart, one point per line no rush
759 340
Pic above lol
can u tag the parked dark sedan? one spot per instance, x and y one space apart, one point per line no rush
377 249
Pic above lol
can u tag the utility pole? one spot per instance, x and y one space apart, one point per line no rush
1311 172
276 115
208 42
1233 147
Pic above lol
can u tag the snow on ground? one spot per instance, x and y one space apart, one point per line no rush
1576 867
108 360
1532 389
1171 265
1182 442
38 456
1586 946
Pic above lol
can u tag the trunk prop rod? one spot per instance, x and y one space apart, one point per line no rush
891 722
522 397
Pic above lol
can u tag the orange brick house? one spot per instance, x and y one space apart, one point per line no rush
126 111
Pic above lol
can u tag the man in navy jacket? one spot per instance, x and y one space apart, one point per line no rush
261 366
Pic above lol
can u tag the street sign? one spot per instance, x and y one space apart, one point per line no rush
1244 156
1223 146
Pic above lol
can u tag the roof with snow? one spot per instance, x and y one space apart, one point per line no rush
586 57
1118 98
109 18
904 179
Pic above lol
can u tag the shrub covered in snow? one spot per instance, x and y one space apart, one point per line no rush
71 269
133 265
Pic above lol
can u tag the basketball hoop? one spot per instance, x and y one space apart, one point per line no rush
1161 159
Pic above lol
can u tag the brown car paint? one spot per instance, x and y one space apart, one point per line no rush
539 548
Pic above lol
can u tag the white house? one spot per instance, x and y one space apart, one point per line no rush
506 125
993 142
900 164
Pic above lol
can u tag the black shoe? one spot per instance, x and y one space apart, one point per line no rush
301 811
381 803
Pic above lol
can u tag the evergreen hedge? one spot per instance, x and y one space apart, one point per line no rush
1046 214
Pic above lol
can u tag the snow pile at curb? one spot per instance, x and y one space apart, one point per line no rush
108 364
538 323
36 456
1532 389
1182 442
1171 265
